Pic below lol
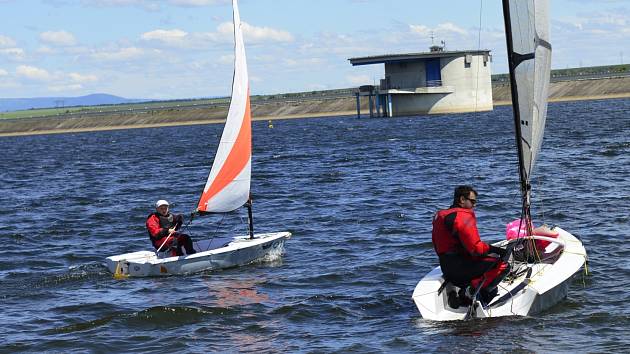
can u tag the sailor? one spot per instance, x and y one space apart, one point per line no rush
161 224
466 261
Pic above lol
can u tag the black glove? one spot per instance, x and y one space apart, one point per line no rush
178 221
498 250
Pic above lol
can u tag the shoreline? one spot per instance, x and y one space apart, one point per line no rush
341 113
173 124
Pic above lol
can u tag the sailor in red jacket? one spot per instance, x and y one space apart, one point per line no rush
465 259
161 224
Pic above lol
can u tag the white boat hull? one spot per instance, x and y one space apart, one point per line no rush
211 254
547 285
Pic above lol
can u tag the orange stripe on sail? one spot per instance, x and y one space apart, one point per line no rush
237 159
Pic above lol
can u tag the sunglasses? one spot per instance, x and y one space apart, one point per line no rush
473 201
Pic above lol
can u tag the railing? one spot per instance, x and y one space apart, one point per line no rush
434 83
429 83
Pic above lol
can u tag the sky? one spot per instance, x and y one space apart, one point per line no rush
178 49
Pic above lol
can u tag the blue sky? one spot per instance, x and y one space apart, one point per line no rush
169 49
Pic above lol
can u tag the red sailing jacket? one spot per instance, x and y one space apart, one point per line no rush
455 232
158 225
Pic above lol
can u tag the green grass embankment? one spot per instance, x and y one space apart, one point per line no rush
312 104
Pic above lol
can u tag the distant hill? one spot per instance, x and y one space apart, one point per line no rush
17 104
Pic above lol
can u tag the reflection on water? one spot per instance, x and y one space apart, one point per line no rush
235 293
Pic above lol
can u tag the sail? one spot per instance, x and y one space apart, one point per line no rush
529 54
228 183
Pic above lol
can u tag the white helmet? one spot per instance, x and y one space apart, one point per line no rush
160 202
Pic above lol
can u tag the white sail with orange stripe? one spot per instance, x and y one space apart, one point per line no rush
228 184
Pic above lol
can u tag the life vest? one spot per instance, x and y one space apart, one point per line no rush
165 221
158 225
455 232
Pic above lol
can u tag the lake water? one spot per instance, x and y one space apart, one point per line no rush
358 196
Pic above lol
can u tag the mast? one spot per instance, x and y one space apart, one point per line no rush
513 60
250 217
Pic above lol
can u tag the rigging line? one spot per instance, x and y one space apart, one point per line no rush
215 231
542 206
243 222
520 241
192 217
511 300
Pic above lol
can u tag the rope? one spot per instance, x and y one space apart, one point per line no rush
213 235
542 206
192 217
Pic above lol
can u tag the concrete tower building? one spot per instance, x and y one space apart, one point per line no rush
431 82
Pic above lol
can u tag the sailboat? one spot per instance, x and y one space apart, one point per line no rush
534 283
227 189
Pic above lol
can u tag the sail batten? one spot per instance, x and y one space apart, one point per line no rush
529 55
228 184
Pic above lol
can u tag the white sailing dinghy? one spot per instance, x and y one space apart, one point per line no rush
536 284
227 189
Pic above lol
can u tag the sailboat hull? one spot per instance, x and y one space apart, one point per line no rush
547 285
211 254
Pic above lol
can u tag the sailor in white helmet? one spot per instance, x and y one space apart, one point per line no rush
162 227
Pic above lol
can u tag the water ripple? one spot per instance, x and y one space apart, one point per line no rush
358 196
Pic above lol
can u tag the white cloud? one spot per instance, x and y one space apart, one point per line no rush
226 59
174 37
6 41
420 29
112 2
609 18
33 73
439 31
3 72
598 32
13 53
302 62
76 77
152 5
119 54
193 3
223 34
64 88
148 5
254 34
356 80
59 38
449 27
611 22
45 50
340 47
261 34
